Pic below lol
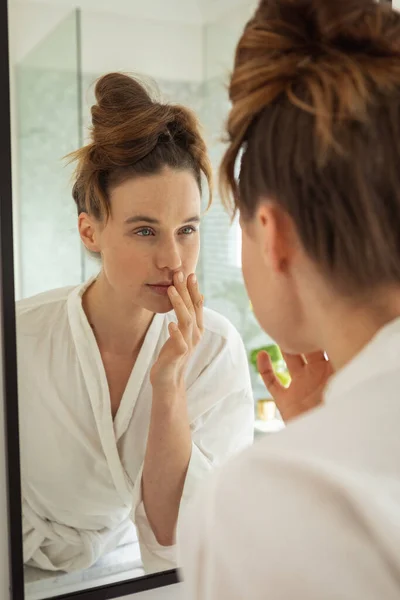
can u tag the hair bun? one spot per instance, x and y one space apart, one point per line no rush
334 17
317 25
117 96
358 26
134 132
318 45
330 59
116 90
125 112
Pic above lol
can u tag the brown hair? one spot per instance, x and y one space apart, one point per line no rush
316 112
133 135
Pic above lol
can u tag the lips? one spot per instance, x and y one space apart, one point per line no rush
161 289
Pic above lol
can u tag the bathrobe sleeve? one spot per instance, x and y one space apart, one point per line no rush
221 414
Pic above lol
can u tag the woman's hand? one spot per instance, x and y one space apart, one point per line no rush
309 374
168 371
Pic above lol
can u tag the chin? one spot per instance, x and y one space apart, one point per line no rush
297 347
291 341
161 306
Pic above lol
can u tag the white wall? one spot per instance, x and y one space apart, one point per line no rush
180 11
221 37
167 50
163 35
217 10
110 41
29 23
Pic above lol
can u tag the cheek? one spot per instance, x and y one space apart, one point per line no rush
190 251
255 277
123 256
248 262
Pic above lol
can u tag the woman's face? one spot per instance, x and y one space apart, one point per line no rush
152 232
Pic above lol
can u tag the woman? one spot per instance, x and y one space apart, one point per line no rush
122 380
314 512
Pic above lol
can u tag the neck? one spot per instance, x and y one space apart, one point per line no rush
347 329
119 327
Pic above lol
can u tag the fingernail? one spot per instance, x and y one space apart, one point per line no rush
194 278
180 277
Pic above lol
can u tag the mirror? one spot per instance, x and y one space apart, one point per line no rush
109 458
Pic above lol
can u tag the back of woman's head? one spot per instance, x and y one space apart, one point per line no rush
133 135
316 111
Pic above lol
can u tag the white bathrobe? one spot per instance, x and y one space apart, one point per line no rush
81 471
312 513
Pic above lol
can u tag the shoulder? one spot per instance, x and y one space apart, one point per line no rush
40 311
317 468
220 333
293 514
218 325
222 340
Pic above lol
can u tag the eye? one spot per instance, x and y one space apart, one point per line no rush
188 230
144 232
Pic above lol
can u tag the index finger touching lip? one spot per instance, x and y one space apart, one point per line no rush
193 287
181 285
197 299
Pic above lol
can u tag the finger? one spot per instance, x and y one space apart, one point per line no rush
266 370
180 283
197 299
180 347
174 349
315 357
185 319
294 362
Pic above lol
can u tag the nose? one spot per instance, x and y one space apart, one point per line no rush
169 256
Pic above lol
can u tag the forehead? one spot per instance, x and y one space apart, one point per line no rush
169 195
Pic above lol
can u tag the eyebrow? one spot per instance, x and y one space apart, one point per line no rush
152 221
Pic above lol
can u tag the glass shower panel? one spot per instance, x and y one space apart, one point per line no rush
48 128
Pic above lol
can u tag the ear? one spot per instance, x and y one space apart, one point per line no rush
276 233
88 231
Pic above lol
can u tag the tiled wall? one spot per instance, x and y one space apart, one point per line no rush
47 131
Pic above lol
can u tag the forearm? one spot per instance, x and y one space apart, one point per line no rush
168 452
